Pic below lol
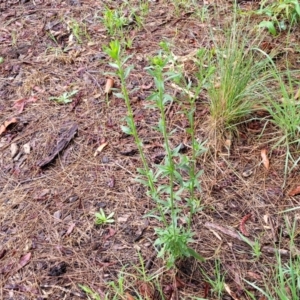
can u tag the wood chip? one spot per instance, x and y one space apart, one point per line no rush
64 141
14 149
26 148
230 292
100 148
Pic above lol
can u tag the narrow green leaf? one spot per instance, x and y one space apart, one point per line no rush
126 130
119 95
269 25
193 253
127 71
113 65
86 289
110 215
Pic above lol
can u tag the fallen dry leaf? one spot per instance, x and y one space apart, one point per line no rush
26 148
266 219
111 233
4 126
70 229
129 297
230 292
20 103
247 173
42 194
146 290
23 261
123 219
14 149
31 99
265 159
169 291
100 148
179 283
294 191
227 144
39 90
111 182
106 264
109 85
233 270
254 275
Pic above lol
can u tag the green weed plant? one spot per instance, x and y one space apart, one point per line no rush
281 14
173 238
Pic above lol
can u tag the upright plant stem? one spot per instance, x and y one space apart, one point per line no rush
166 139
193 162
133 127
138 142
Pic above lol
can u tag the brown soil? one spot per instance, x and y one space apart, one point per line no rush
47 206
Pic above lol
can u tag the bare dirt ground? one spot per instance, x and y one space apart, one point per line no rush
49 242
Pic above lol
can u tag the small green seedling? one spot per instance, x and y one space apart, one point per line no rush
102 219
255 246
65 98
113 20
217 282
78 30
1 59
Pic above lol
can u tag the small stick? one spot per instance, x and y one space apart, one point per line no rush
62 289
235 235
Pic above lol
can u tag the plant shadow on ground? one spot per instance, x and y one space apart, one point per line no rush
75 223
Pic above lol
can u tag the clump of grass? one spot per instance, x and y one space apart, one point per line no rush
283 106
217 281
183 5
78 30
255 247
116 20
90 293
113 20
285 116
234 92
